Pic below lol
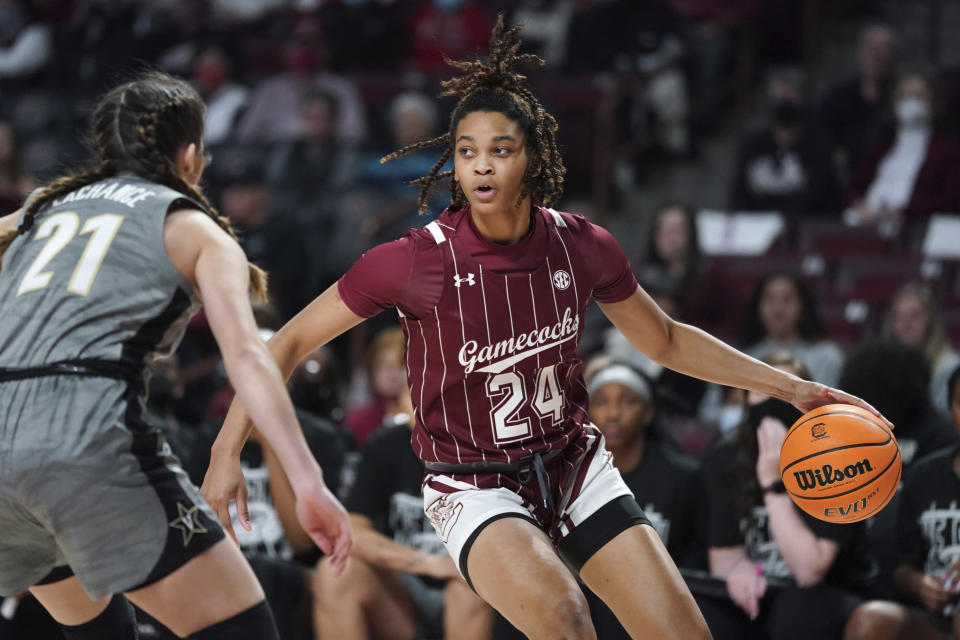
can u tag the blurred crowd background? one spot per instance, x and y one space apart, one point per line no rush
781 173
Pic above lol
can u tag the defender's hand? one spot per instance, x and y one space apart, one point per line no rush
326 522
222 484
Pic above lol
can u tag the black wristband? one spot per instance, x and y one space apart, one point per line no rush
775 487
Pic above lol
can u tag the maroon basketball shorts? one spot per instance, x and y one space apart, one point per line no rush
593 504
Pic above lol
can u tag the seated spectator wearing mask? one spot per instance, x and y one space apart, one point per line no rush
786 166
912 175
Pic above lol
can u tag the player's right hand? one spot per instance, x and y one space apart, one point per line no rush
325 520
222 484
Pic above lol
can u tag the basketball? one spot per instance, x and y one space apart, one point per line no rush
840 463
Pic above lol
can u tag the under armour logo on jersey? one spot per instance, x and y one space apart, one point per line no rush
187 523
457 280
561 279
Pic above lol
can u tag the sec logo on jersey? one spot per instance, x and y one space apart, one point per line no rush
561 279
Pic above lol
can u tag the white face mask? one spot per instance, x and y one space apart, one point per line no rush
913 112
729 418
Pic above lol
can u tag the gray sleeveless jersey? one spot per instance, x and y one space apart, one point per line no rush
92 279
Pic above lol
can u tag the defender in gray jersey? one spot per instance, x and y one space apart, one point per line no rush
100 274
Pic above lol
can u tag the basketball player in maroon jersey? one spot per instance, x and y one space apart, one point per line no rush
491 298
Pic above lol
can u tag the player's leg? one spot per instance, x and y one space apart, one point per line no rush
613 546
465 615
362 602
664 608
214 595
513 566
81 618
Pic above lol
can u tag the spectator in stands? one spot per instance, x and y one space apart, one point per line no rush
456 29
855 111
225 98
270 238
679 395
400 582
623 407
265 525
673 260
641 40
307 171
786 166
14 183
787 573
386 379
928 543
913 173
913 319
894 378
26 43
274 109
350 26
673 249
411 116
664 482
782 316
316 387
546 29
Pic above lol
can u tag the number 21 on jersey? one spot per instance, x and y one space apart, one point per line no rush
508 424
58 230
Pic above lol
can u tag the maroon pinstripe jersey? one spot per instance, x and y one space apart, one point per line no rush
492 330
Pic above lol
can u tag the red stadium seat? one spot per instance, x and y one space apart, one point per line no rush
834 240
877 279
745 272
847 322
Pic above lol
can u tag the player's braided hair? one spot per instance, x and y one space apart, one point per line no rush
137 128
495 84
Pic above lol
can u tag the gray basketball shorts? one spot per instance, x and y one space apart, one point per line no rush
87 487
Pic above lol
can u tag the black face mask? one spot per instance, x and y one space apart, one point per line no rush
782 411
786 112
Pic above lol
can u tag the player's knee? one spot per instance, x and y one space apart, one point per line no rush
569 617
875 620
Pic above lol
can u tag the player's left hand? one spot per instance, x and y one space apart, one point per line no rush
810 395
222 484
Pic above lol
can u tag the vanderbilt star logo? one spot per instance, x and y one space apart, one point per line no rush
187 523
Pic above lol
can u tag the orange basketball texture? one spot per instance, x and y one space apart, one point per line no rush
840 463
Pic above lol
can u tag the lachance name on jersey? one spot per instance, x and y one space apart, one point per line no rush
127 194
